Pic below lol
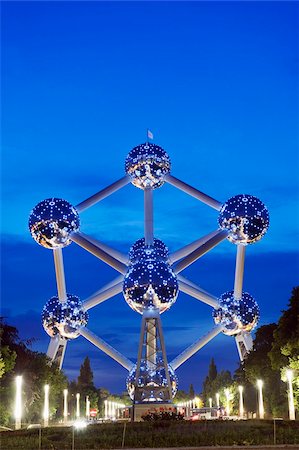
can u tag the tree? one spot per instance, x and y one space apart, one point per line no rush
284 353
36 371
191 392
257 365
85 379
208 384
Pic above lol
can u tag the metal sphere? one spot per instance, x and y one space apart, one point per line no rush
64 318
140 251
52 221
150 284
151 379
245 217
147 164
236 315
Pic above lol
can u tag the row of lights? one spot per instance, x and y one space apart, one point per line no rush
111 408
289 373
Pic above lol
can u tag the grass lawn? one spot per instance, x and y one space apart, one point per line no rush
158 434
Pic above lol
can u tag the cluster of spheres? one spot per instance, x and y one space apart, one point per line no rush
245 217
236 315
64 318
151 381
52 221
150 282
147 164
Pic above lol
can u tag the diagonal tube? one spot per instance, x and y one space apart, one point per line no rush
104 294
200 251
193 192
185 251
186 354
239 272
106 348
96 251
103 193
60 278
106 248
196 292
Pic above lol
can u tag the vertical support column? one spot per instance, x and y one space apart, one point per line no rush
148 216
151 343
239 272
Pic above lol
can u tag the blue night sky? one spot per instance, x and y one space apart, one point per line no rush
217 83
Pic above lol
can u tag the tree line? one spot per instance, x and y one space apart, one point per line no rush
275 349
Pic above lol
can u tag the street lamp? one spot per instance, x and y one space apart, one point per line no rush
241 402
290 375
210 402
260 399
77 405
46 406
18 402
226 391
87 407
65 411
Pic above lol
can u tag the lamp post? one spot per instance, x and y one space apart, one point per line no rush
77 405
65 410
226 391
18 402
260 399
46 406
210 402
290 375
87 407
241 402
218 404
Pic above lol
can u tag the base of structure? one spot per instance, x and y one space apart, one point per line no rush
141 409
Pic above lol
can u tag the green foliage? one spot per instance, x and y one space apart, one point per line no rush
36 371
160 416
191 391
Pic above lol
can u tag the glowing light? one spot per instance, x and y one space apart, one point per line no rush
227 395
52 221
150 282
246 218
260 399
241 402
64 319
218 400
65 405
18 402
290 375
77 405
210 402
79 424
46 405
155 378
87 407
147 164
236 315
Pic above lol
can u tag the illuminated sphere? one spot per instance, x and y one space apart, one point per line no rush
64 318
147 164
150 284
245 217
236 315
52 221
156 251
151 380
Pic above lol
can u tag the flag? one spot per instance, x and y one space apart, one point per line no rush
150 134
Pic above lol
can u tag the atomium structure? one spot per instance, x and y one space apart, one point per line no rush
150 278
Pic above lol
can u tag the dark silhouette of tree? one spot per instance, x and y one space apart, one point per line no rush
191 392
